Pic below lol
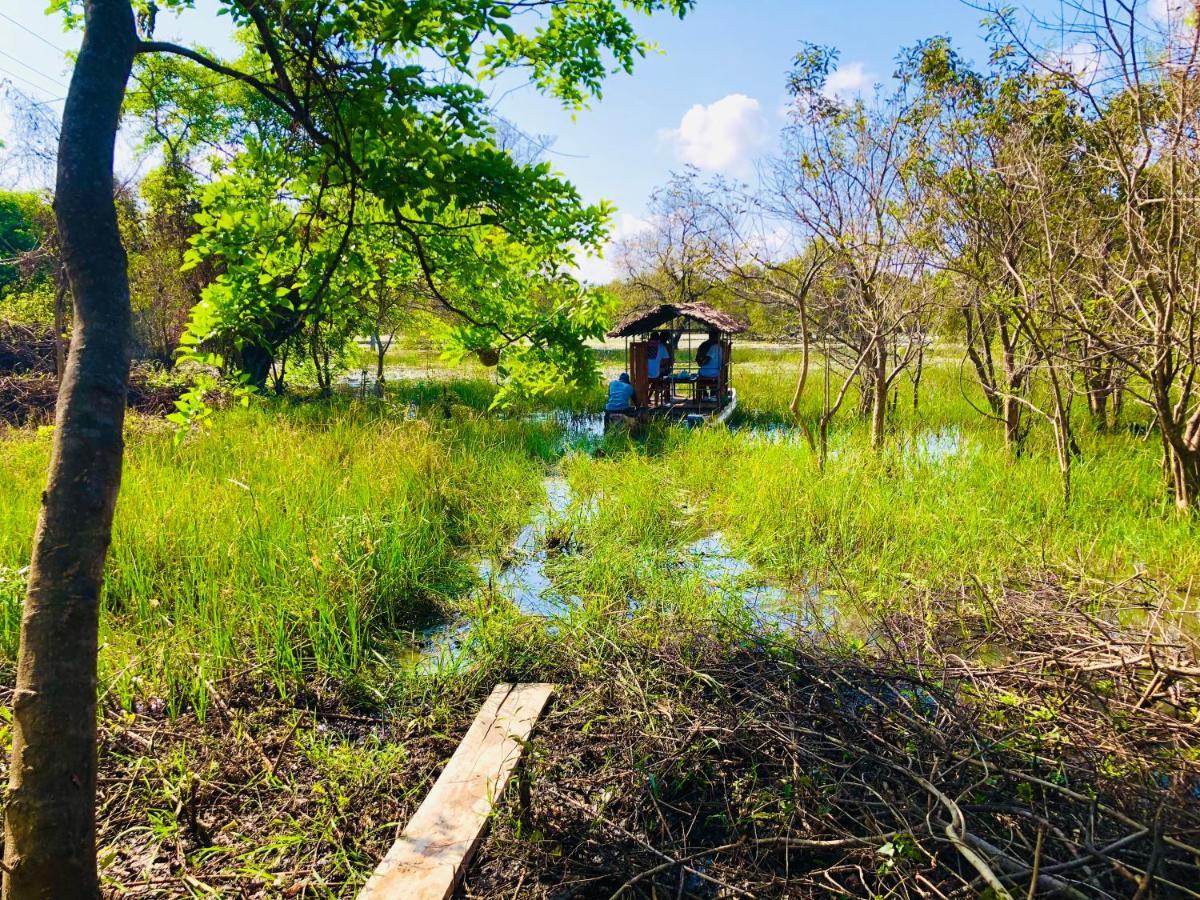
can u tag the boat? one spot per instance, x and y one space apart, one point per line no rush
677 391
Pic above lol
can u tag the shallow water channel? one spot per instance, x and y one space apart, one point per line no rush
520 576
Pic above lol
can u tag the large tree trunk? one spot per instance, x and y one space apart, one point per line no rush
60 321
49 826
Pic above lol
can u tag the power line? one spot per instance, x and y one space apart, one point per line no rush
12 74
34 33
36 71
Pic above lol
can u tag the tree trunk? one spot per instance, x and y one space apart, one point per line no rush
805 357
979 351
255 363
879 386
918 372
49 825
1013 438
1015 378
1182 453
380 355
60 322
1185 478
279 372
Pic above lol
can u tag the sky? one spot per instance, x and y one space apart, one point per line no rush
713 97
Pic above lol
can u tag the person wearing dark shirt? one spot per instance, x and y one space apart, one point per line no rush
708 356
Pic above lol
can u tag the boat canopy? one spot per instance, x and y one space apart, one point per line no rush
647 319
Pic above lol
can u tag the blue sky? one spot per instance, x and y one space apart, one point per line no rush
713 97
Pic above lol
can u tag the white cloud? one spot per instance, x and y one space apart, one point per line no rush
1082 60
847 80
720 136
1165 10
600 269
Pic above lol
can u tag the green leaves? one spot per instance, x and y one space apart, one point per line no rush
341 163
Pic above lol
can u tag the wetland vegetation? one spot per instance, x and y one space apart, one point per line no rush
295 604
919 620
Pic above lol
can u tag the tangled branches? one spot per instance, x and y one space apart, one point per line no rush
26 349
29 400
1022 745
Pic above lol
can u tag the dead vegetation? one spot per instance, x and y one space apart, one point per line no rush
30 399
1024 747
29 386
26 349
1023 739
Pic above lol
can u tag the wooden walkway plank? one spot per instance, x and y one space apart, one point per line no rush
429 857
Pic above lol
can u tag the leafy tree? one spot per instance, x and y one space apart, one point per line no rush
155 219
348 76
20 232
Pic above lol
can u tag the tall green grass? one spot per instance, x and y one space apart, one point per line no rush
296 539
304 541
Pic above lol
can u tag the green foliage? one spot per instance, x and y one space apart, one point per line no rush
329 530
24 218
306 537
297 223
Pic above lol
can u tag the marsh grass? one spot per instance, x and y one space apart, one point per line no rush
295 539
311 539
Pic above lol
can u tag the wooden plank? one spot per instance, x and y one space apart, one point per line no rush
429 857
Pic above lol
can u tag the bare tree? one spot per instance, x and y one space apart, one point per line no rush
672 261
1140 96
845 181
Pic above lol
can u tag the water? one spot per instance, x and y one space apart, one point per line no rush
519 575
808 608
930 445
356 381
580 430
937 445
772 434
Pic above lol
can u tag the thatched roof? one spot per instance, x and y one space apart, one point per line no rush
647 319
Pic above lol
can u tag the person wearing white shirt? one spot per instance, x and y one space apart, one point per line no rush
659 354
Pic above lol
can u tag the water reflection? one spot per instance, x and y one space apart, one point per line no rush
932 444
521 575
807 608
937 445
580 430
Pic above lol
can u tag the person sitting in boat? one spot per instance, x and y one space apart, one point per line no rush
621 396
660 359
708 356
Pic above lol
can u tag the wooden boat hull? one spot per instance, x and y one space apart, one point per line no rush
691 413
